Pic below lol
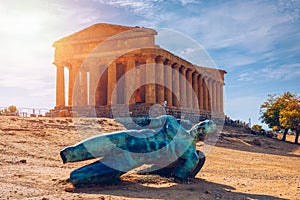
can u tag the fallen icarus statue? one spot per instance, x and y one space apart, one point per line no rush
164 144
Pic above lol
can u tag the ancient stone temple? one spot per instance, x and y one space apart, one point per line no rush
113 71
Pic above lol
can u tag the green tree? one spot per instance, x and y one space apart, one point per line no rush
290 116
271 108
257 127
12 109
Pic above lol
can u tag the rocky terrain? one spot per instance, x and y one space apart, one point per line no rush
240 166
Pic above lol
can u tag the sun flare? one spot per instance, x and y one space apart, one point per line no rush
23 24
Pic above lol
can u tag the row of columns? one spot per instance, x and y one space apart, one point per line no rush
178 85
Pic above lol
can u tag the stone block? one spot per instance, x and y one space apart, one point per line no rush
63 113
73 114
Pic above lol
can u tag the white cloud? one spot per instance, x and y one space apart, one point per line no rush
291 8
185 2
253 26
245 77
146 9
284 72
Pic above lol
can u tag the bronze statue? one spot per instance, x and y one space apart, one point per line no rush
164 143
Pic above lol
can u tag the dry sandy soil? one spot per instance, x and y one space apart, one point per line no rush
236 168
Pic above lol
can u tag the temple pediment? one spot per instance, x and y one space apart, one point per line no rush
100 32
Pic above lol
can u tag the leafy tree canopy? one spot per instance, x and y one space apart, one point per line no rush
282 113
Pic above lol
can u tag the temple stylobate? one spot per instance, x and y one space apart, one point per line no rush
113 71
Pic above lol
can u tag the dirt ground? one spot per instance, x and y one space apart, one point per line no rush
240 166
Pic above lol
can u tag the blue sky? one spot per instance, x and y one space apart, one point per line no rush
256 42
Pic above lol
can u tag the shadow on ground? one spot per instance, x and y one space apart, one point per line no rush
198 189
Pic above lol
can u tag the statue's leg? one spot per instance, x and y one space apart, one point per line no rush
95 173
168 170
162 171
199 165
107 170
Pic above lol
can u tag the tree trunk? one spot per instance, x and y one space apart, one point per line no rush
297 136
284 134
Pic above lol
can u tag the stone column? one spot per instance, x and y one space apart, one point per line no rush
200 92
195 89
101 90
215 85
205 94
183 81
71 84
142 78
221 99
83 87
175 85
159 71
210 94
218 97
168 83
111 83
94 78
213 96
189 88
150 80
130 81
60 86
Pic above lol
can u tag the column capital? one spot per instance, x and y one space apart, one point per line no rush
150 57
195 73
159 59
207 78
183 68
59 64
189 69
168 62
130 58
176 66
74 64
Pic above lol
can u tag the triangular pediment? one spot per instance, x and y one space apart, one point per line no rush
100 31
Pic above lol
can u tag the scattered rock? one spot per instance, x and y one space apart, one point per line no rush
207 192
69 189
256 142
23 161
218 196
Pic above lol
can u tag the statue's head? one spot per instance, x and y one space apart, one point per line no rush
200 130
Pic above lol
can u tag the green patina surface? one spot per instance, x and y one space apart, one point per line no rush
164 142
